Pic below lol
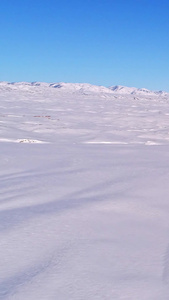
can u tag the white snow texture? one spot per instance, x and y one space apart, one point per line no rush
84 207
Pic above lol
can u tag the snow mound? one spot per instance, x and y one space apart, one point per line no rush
27 141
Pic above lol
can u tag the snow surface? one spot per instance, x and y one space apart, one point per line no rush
84 209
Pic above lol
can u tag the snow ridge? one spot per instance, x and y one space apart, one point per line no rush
135 91
80 88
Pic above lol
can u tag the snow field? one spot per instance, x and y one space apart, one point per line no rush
83 195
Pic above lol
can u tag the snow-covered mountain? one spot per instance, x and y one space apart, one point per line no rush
79 88
119 89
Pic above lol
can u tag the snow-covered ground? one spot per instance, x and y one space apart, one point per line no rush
84 192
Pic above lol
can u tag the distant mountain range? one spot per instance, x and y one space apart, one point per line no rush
81 88
134 91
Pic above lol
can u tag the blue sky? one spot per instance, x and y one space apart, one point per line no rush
103 42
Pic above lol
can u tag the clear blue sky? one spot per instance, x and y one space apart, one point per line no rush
104 42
